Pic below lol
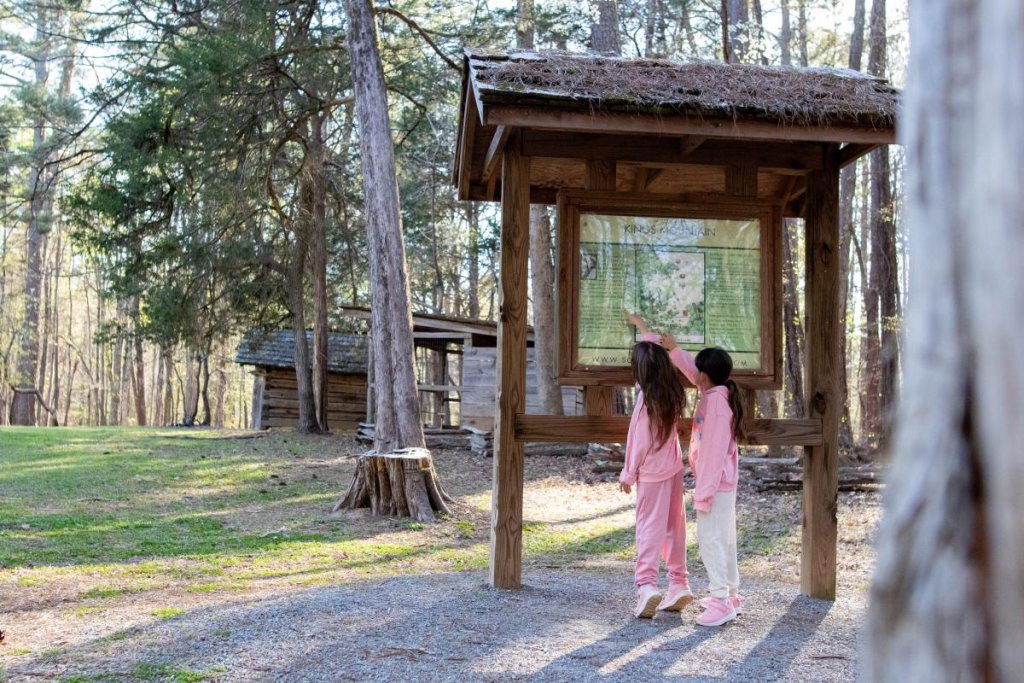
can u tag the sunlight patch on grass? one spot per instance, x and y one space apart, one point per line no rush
167 612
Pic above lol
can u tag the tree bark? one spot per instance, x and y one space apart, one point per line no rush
847 188
524 24
316 182
882 273
23 404
190 404
397 405
542 272
139 365
473 300
306 422
793 385
954 523
604 35
402 484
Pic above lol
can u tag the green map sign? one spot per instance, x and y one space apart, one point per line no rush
696 278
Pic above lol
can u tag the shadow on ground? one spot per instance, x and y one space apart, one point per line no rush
561 626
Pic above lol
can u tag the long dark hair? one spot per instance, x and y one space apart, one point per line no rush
663 390
716 363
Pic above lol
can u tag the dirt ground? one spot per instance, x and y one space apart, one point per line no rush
402 616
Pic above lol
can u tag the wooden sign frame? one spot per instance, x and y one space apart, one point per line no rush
573 203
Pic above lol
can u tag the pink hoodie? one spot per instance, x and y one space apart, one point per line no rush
647 461
713 456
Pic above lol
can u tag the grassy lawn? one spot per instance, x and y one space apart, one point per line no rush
105 532
127 510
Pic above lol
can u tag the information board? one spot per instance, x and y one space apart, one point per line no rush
696 278
708 274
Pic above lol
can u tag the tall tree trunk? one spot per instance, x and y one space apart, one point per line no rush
473 298
954 523
316 201
190 403
786 35
397 405
524 24
297 302
879 276
604 35
158 390
739 19
139 365
23 404
727 51
847 188
167 359
801 29
793 386
204 364
544 341
542 274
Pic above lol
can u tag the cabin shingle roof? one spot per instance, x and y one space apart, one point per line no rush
346 353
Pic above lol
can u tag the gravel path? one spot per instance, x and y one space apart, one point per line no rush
564 625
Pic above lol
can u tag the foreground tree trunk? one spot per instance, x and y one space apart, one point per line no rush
397 403
948 595
402 484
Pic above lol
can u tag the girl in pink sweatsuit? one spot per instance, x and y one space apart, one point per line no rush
654 463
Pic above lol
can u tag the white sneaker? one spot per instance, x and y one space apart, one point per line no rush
647 599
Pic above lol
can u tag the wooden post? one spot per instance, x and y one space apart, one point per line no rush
821 463
599 399
507 495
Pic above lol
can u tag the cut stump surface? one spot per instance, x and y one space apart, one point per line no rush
403 483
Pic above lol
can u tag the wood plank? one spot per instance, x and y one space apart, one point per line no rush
451 336
823 327
613 122
659 150
613 429
506 546
494 151
439 387
847 154
468 123
741 181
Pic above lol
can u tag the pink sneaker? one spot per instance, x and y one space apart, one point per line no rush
736 600
647 599
718 612
677 598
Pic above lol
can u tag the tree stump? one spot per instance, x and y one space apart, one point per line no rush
400 484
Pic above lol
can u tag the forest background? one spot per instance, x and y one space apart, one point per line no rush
174 174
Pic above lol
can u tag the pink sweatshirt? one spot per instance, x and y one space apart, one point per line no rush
713 456
647 461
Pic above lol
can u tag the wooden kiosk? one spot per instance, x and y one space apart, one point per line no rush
603 137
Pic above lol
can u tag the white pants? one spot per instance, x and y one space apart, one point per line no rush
716 538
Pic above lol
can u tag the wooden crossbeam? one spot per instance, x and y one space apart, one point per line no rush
494 151
613 428
847 154
552 119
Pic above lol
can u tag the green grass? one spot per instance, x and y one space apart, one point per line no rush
123 512
167 612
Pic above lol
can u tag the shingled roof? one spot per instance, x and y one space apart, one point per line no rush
346 353
776 94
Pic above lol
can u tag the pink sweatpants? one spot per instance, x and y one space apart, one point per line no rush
660 530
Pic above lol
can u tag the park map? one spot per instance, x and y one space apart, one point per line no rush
696 278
